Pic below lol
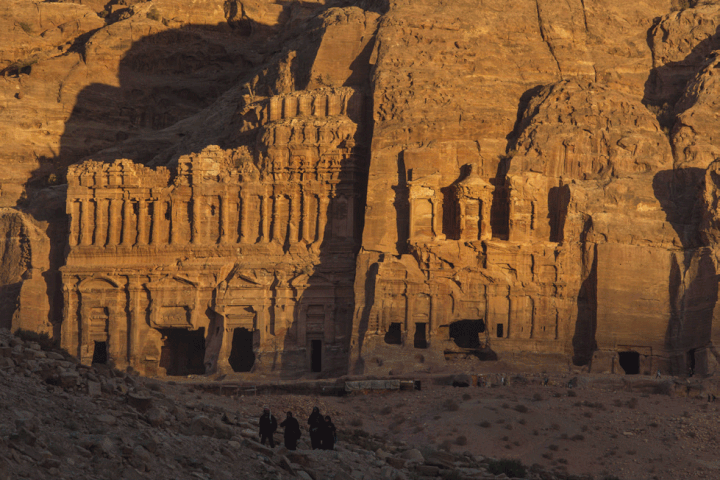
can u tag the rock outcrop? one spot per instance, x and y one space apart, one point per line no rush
364 186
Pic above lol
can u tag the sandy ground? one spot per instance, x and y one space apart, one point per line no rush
605 427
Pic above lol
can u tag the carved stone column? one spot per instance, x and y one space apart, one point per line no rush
276 218
74 223
224 218
85 232
305 217
113 227
101 230
294 220
196 219
157 221
242 218
127 230
142 238
264 200
136 317
175 208
323 202
69 328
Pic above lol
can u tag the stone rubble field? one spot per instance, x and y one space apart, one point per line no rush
63 420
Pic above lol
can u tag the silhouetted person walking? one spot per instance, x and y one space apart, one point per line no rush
292 431
268 425
328 434
315 421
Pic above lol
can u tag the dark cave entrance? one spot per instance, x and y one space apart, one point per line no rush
316 355
183 351
630 362
394 334
465 333
420 340
690 362
100 353
242 356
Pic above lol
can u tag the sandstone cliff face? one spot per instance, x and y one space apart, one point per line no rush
533 181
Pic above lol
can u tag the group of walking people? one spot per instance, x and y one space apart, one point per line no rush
323 433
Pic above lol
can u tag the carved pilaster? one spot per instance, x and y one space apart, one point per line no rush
113 222
142 223
158 215
101 228
196 219
74 212
224 218
128 232
85 232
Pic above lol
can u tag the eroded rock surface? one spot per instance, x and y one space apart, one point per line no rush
363 186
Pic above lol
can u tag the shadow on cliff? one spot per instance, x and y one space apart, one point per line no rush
163 80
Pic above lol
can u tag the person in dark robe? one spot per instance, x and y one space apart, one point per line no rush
268 425
292 431
315 422
328 434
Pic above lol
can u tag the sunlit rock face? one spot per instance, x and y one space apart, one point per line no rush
370 187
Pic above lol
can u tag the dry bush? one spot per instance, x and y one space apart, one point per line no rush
536 433
466 396
450 405
578 438
508 427
522 421
485 424
461 440
584 428
356 422
521 408
587 414
505 405
537 397
633 403
562 460
555 426
386 410
617 402
572 393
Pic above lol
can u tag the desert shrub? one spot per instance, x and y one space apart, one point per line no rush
451 405
587 414
562 460
485 424
537 397
617 402
386 410
461 440
633 403
466 396
572 393
508 427
653 424
578 438
564 436
553 447
356 422
43 339
522 421
505 405
536 433
521 408
511 468
555 426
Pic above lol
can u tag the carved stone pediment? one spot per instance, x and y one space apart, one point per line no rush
173 302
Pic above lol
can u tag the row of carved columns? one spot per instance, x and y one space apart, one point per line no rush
260 219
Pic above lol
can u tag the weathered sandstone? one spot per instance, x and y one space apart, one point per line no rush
361 186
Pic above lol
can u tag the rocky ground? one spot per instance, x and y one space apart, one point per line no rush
62 420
